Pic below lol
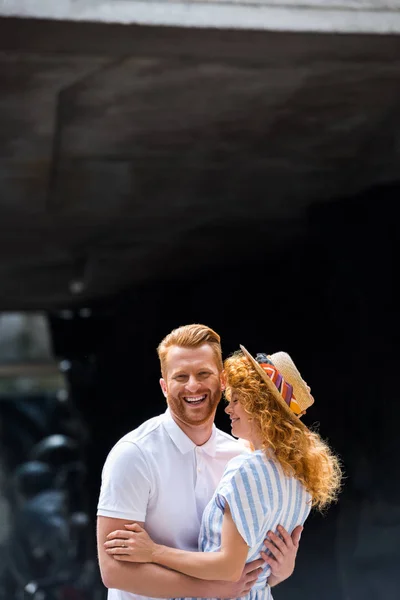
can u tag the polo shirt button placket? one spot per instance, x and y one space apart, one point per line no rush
198 454
201 487
199 461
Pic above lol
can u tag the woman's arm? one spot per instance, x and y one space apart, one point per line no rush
226 564
144 579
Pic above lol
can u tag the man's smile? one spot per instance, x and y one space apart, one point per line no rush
195 400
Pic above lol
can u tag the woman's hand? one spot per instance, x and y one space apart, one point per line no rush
132 544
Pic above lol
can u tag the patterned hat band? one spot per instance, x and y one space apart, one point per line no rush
283 387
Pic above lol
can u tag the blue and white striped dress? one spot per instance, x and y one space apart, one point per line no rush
260 497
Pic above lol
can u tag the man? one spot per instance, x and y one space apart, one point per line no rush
163 474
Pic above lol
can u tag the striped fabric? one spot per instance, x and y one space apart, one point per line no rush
260 497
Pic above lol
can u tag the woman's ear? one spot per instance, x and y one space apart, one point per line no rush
164 387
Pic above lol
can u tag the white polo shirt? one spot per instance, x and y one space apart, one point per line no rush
158 475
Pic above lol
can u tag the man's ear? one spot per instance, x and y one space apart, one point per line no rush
164 387
223 380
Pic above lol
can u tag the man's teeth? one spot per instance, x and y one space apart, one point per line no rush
198 399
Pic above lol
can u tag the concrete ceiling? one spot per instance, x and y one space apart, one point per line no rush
130 155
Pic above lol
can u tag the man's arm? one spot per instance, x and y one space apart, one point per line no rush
143 579
152 580
226 564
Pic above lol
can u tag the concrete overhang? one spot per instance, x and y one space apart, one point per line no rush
134 154
340 16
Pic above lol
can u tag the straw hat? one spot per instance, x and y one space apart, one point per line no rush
284 381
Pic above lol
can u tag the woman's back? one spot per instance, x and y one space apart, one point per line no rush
260 497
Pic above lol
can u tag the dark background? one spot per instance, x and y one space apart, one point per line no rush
331 303
295 252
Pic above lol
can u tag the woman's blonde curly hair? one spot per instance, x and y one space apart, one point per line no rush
301 452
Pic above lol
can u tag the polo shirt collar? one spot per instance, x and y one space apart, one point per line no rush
183 442
210 447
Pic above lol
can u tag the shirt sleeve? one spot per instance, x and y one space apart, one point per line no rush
243 492
125 484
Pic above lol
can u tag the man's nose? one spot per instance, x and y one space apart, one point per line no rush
193 383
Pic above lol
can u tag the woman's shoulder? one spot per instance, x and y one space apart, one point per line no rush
260 463
244 462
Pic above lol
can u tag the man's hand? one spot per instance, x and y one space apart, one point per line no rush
283 550
240 588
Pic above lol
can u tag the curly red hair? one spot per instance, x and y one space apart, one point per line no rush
301 452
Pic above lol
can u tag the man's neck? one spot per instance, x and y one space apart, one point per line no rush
199 434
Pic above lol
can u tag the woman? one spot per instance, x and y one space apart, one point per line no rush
289 470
